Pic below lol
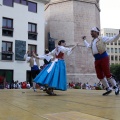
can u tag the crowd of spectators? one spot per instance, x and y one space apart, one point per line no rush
71 85
87 86
17 85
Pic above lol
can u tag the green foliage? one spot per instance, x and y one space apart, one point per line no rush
115 70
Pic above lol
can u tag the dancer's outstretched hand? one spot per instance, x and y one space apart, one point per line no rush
74 46
84 37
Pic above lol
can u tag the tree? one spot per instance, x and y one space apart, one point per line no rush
115 70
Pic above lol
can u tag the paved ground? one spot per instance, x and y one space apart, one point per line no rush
70 105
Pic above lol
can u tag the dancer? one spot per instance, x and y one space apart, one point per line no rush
54 74
47 60
34 64
98 46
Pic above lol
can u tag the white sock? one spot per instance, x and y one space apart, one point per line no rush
34 85
105 83
112 81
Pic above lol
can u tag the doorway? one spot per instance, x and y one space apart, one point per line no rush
29 77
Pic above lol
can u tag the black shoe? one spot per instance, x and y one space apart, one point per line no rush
117 91
107 93
48 92
45 90
53 94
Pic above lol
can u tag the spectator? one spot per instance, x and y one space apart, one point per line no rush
28 85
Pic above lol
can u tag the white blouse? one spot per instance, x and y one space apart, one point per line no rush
62 49
47 57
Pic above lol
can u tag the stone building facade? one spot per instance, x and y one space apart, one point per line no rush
113 49
70 20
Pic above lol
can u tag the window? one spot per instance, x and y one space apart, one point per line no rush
32 31
7 53
6 46
8 3
24 2
118 42
119 50
8 23
108 50
116 58
115 43
112 57
17 1
111 34
115 50
106 34
112 50
32 48
32 27
32 7
111 43
7 27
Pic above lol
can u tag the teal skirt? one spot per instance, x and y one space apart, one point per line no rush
56 78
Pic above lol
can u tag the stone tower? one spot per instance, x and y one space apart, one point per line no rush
70 20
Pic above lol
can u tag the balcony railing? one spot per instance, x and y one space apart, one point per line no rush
6 56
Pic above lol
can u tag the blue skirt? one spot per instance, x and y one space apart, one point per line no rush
56 78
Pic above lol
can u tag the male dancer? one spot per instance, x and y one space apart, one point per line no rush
98 46
34 64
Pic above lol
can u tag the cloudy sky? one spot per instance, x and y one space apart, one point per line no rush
110 13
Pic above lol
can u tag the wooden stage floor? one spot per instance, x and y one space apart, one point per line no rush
69 105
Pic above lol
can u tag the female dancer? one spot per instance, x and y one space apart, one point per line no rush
54 74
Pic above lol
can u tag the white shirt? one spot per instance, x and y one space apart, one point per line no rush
28 85
47 57
104 39
62 49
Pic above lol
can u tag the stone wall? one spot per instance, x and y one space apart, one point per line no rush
70 20
80 66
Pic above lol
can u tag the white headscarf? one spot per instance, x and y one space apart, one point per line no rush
95 29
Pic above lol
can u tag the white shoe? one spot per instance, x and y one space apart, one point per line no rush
117 91
35 90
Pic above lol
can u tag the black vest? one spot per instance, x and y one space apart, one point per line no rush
46 62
